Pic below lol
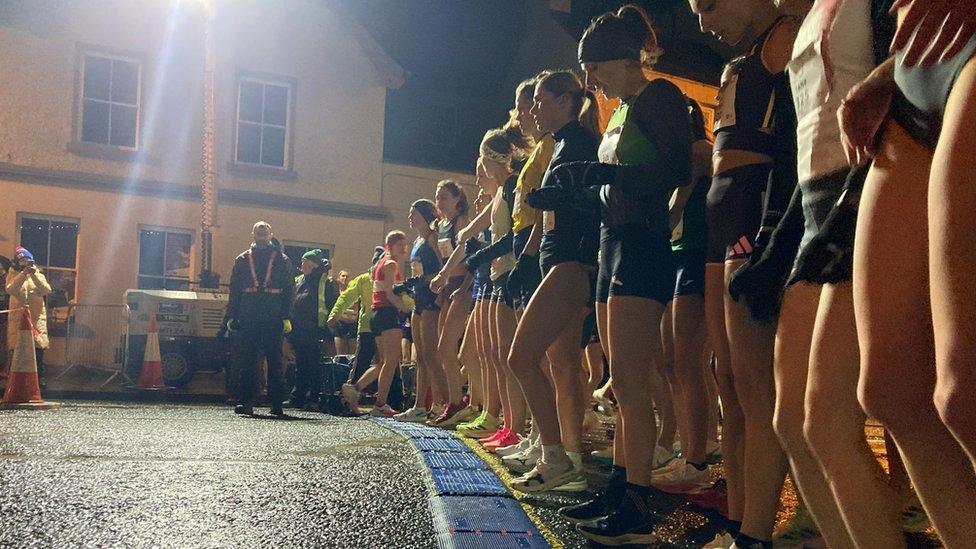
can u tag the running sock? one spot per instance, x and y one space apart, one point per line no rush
554 454
734 527
698 466
745 542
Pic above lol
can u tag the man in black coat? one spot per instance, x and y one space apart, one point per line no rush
258 315
315 295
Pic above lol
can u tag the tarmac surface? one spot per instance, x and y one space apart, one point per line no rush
101 474
165 475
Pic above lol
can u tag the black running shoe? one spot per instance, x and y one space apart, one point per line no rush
244 410
626 525
277 410
600 506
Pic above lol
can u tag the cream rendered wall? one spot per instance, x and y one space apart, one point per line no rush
338 119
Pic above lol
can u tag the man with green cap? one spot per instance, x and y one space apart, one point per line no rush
315 294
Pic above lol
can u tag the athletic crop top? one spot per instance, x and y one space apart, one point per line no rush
380 284
530 178
832 52
446 237
649 130
744 116
423 259
501 226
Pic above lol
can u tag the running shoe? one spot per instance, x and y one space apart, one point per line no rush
721 541
544 477
413 415
679 476
507 440
448 417
488 425
602 504
383 411
476 421
522 444
605 455
630 523
662 456
524 461
500 432
466 415
351 396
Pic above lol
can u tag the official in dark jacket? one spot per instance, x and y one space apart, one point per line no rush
315 295
258 314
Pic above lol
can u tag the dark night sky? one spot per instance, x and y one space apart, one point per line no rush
457 56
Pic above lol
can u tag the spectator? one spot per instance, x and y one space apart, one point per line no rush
27 287
315 294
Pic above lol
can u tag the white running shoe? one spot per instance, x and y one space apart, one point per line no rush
721 541
662 456
523 443
413 415
383 411
524 461
682 475
544 477
351 396
667 468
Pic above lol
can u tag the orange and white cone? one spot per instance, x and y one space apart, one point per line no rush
23 387
151 377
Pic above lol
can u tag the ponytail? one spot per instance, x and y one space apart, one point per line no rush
584 101
589 116
624 34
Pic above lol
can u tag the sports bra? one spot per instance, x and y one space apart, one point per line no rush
744 117
446 237
423 259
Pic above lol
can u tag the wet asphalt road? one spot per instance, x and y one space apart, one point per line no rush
161 475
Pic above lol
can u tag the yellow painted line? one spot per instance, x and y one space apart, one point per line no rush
502 473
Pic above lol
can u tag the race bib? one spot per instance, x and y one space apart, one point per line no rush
445 247
416 268
725 112
808 74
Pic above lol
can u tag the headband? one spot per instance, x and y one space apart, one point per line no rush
491 154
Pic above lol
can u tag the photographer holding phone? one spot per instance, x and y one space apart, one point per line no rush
27 287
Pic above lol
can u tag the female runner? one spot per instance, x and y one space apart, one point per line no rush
385 321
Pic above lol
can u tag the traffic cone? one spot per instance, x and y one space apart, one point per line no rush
23 388
151 377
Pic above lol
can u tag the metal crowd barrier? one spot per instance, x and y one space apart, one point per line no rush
97 338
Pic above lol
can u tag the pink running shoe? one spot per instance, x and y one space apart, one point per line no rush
500 432
509 439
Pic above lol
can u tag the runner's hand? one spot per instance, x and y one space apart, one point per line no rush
933 30
860 116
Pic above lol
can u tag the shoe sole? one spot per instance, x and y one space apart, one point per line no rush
574 486
554 486
623 539
580 521
518 466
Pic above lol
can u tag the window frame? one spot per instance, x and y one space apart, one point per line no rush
290 84
167 230
83 53
297 261
50 219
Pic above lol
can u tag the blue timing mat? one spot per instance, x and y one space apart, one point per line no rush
453 460
490 540
467 482
479 514
440 445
